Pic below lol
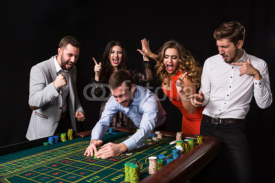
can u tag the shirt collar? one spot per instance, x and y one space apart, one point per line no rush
244 57
136 97
57 66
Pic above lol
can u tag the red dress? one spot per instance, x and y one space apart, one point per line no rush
190 122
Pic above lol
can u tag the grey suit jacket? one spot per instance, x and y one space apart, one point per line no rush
46 102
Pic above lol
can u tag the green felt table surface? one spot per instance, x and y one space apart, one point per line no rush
65 162
28 152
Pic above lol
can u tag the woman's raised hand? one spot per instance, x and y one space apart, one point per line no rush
97 69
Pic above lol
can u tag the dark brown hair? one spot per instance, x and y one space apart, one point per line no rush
233 31
69 40
107 68
120 76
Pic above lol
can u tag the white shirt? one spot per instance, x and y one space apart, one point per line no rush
228 95
64 91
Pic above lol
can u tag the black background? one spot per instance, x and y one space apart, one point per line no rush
31 30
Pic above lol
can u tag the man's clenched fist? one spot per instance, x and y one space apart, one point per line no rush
60 81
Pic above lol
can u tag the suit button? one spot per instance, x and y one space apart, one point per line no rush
60 107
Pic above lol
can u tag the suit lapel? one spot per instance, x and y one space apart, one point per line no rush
71 100
53 74
52 68
71 89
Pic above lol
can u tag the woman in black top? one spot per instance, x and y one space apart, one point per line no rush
115 58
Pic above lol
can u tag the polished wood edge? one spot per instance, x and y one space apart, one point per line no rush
84 134
185 167
130 130
165 133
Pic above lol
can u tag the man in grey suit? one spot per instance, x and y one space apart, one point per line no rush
53 94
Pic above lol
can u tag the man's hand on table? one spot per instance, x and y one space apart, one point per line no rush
111 150
91 149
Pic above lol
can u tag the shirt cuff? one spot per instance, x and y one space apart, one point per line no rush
129 145
258 83
133 145
95 137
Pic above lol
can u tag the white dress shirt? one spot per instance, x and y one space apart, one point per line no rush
64 91
145 111
228 95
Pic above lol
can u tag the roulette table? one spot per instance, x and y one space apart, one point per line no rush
64 161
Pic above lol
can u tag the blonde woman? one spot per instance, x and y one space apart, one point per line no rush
180 75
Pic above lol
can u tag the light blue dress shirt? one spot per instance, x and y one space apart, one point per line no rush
145 111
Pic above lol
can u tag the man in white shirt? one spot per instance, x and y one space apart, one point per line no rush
229 81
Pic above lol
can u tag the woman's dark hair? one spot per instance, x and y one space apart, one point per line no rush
107 68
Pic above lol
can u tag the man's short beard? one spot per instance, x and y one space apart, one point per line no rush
229 62
63 64
233 59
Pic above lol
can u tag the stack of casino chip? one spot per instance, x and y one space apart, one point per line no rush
176 153
191 143
139 166
160 164
153 163
70 134
51 140
56 138
179 136
63 137
127 171
199 139
186 147
132 171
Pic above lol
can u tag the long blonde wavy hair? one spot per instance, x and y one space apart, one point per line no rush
186 63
